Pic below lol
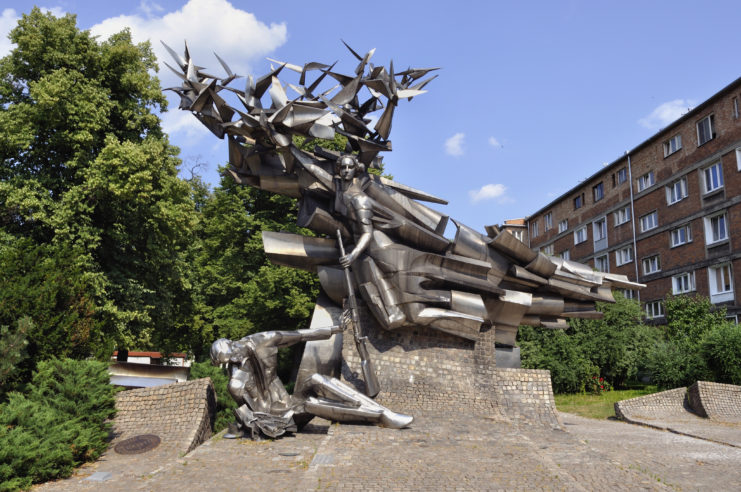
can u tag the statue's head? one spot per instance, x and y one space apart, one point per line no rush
221 351
348 166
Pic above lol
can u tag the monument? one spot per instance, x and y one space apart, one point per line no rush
376 239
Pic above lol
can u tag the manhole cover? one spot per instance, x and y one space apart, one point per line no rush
137 444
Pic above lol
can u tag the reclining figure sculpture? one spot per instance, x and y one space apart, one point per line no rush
405 270
265 405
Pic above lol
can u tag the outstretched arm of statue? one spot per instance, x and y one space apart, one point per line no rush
286 338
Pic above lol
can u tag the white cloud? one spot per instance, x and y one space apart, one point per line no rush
666 113
208 26
494 142
490 191
189 129
8 20
454 145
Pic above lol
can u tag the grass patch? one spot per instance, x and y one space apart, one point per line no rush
598 406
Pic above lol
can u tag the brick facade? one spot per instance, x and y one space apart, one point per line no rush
626 183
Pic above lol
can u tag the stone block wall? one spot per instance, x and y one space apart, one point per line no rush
716 401
420 368
181 414
655 406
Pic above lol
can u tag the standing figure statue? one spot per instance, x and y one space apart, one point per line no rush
265 406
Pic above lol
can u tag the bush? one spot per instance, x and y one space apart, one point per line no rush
721 350
225 404
558 352
617 344
59 423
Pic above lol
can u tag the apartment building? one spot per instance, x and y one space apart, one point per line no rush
666 214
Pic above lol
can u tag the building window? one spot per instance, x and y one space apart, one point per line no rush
712 177
624 255
672 145
534 232
705 129
563 225
599 229
683 283
518 233
681 235
721 283
716 229
548 219
622 215
547 250
735 108
580 235
649 221
652 264
646 181
628 293
676 191
602 263
579 201
622 176
598 192
738 158
654 309
565 254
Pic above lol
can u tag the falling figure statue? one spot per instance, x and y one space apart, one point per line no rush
265 406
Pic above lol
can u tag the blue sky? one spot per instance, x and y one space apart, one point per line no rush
532 96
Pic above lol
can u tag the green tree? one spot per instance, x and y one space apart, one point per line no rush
90 200
619 343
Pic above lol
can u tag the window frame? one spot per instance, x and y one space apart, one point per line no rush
710 129
646 181
578 201
598 191
622 175
687 239
563 226
534 229
620 256
709 230
673 145
565 255
671 189
626 211
602 258
649 260
576 234
683 283
548 221
656 309
547 250
724 295
655 215
718 165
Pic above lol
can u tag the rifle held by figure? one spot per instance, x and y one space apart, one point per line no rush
372 387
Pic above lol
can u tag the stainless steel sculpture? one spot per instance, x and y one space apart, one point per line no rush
406 271
264 404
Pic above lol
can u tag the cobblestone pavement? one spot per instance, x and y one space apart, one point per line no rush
439 452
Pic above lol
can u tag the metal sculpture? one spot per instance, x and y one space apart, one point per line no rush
265 407
406 271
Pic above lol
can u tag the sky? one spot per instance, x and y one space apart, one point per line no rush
532 96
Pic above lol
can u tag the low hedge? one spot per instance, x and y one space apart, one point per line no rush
60 422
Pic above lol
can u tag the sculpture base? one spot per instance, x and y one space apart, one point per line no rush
421 369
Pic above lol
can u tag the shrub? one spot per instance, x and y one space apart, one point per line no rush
225 404
59 423
558 352
721 350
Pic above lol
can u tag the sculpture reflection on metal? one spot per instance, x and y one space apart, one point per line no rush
264 405
406 271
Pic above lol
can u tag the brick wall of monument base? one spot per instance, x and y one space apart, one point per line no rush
181 414
717 401
423 369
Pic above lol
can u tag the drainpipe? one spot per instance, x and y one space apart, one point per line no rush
633 223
